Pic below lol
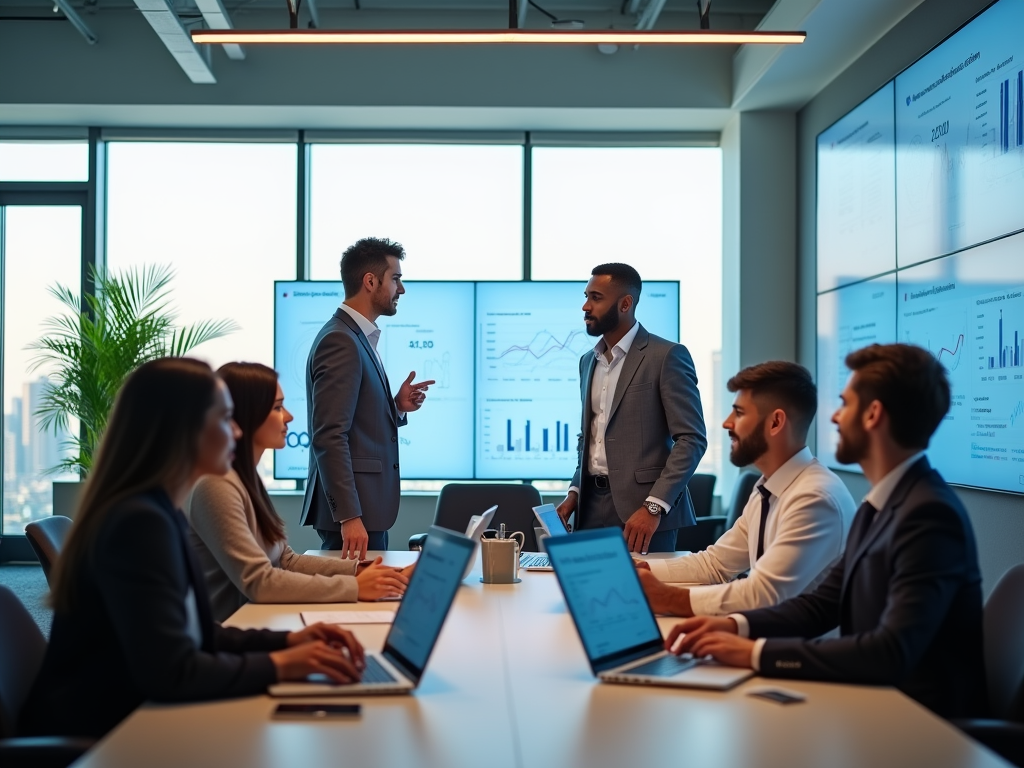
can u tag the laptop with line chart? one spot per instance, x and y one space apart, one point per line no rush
620 635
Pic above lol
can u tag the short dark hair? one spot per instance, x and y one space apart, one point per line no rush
909 382
783 385
367 255
623 276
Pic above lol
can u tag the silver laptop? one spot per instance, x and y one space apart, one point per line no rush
614 620
547 517
477 525
418 621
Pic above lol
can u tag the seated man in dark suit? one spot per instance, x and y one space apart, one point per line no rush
906 595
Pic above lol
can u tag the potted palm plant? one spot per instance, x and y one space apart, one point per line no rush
89 350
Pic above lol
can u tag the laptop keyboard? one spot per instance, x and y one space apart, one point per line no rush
375 672
666 666
533 560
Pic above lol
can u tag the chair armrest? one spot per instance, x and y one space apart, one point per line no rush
416 542
42 751
1003 737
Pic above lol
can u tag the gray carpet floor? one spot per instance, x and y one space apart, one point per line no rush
29 584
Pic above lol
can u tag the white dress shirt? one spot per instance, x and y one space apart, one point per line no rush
369 328
877 497
809 515
602 395
372 332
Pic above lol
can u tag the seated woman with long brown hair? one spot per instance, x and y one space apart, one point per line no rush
239 537
132 618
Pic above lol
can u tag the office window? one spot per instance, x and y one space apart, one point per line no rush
457 209
656 208
223 215
44 161
41 245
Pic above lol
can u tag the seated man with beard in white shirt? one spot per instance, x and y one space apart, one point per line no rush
793 526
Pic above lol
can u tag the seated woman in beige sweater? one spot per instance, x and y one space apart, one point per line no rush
239 538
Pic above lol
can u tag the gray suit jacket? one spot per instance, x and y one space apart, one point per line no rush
353 432
655 436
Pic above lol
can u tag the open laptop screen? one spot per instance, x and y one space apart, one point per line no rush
430 594
604 595
549 519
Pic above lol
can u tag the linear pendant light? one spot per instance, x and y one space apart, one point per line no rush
490 36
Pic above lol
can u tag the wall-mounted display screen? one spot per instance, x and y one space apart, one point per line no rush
857 194
848 319
960 138
505 358
956 290
968 311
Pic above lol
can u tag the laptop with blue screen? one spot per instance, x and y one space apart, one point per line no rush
552 525
620 635
418 621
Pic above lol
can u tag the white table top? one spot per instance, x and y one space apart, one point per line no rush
509 685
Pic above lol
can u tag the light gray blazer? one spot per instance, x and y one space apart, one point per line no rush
353 429
239 566
655 436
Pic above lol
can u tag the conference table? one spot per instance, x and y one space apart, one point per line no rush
508 686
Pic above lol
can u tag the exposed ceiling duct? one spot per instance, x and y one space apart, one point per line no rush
165 22
216 17
76 21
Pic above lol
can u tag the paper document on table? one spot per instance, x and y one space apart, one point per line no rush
348 617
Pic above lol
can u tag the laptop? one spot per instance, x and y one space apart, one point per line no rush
477 525
547 517
418 621
614 620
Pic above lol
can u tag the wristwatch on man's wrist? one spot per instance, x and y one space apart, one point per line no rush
654 508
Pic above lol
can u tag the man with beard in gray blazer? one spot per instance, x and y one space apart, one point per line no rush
353 489
642 434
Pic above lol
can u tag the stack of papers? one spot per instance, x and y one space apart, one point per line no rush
347 617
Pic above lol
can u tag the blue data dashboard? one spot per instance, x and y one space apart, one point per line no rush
505 360
944 267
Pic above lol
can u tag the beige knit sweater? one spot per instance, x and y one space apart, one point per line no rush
240 567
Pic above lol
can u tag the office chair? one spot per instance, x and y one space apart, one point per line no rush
1004 670
458 502
740 495
22 647
47 537
702 494
694 538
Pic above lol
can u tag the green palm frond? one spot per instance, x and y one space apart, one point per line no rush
99 340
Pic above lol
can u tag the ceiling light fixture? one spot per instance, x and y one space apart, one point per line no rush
489 36
513 35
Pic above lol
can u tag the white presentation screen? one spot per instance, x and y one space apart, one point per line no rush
451 332
960 138
968 310
857 194
530 336
848 319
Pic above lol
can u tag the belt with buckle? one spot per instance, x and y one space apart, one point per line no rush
600 481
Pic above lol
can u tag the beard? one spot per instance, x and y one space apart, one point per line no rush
853 444
606 322
383 303
750 448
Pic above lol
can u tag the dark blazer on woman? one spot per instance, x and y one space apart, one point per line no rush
129 636
906 596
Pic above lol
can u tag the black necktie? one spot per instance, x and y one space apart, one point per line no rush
862 522
765 497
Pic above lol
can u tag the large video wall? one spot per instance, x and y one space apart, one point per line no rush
505 359
920 239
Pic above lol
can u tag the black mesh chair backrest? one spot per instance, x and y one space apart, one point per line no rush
740 495
22 647
458 502
1004 646
47 537
702 493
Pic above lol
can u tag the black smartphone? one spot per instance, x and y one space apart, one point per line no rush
317 711
779 697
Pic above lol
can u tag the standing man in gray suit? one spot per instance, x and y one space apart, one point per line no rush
352 493
642 433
